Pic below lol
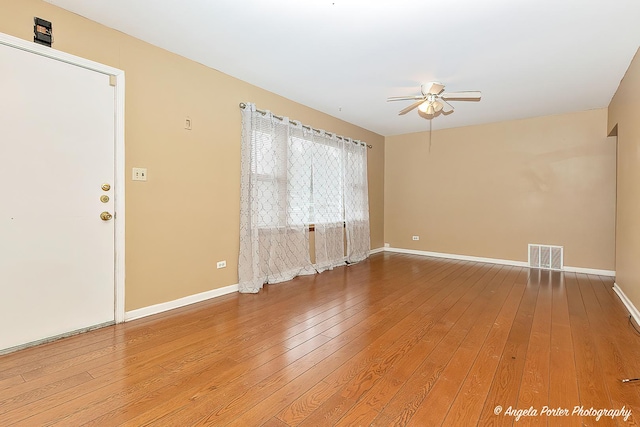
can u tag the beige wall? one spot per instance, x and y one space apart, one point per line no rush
624 112
489 190
186 216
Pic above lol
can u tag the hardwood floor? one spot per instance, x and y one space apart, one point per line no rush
395 340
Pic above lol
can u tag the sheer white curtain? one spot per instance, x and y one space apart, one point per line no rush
356 202
274 237
293 177
328 200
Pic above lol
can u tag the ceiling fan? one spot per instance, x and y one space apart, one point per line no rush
434 99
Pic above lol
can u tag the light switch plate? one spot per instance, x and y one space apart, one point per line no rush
139 174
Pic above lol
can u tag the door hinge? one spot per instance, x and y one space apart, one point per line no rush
112 80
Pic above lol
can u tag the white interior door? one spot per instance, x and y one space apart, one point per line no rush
57 127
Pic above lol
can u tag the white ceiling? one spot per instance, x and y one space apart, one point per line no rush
345 57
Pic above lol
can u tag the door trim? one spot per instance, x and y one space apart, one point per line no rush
119 173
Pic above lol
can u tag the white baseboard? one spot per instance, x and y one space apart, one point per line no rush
459 257
496 261
376 251
181 302
594 271
633 311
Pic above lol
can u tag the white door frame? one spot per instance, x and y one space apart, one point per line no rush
118 75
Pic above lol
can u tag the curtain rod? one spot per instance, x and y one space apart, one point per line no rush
243 106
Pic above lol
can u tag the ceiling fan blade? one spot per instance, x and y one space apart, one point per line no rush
410 107
404 98
469 95
433 88
446 107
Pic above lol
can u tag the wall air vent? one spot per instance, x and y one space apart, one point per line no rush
546 257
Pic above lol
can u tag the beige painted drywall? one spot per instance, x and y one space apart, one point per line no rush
624 113
186 216
489 190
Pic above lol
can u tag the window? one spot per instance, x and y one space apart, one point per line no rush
327 190
305 177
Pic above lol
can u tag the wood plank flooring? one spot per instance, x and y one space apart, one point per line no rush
395 340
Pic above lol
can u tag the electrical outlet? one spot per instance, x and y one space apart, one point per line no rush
386 245
139 174
416 237
221 264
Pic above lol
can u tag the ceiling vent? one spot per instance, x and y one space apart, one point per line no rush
546 257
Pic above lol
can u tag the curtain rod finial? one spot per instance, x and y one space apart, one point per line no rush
243 105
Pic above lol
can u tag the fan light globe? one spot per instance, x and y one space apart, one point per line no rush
426 107
430 107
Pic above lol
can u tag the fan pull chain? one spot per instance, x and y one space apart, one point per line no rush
430 127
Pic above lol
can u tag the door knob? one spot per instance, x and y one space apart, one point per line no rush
105 216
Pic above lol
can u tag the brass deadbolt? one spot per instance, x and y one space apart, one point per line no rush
105 216
106 187
104 198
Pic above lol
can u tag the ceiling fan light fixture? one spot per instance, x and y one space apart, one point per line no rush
433 99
